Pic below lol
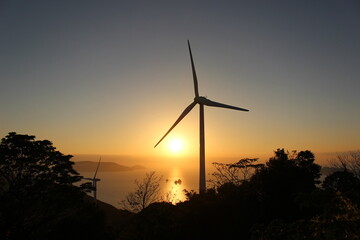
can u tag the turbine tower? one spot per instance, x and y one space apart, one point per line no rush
94 181
202 101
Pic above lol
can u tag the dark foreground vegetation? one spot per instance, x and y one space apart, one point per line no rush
282 199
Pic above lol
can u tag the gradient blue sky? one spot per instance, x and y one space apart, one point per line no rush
110 77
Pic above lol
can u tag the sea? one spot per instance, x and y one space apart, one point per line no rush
113 187
177 176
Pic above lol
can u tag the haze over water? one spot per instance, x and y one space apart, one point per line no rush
114 186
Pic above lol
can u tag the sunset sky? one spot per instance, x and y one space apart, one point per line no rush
111 77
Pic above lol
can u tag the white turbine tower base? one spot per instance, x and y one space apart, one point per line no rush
202 101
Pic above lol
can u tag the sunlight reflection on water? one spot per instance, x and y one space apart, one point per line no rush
174 186
114 186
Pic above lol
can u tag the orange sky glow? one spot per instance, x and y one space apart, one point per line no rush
113 84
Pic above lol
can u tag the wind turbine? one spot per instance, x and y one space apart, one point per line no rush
202 101
94 181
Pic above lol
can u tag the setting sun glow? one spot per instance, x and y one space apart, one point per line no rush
176 145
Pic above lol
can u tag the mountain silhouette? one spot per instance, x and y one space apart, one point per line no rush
89 166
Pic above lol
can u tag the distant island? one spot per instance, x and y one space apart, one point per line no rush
90 166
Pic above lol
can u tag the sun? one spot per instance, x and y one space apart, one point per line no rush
176 145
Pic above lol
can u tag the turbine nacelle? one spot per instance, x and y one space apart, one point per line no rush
200 100
207 102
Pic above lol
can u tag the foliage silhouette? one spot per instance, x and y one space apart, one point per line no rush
281 179
342 181
340 220
37 195
235 173
281 193
281 199
26 162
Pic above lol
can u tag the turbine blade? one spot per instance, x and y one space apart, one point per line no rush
210 103
194 73
97 168
183 114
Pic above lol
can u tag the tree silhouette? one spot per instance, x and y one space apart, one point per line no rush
342 181
235 173
25 162
37 195
349 161
146 193
281 179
